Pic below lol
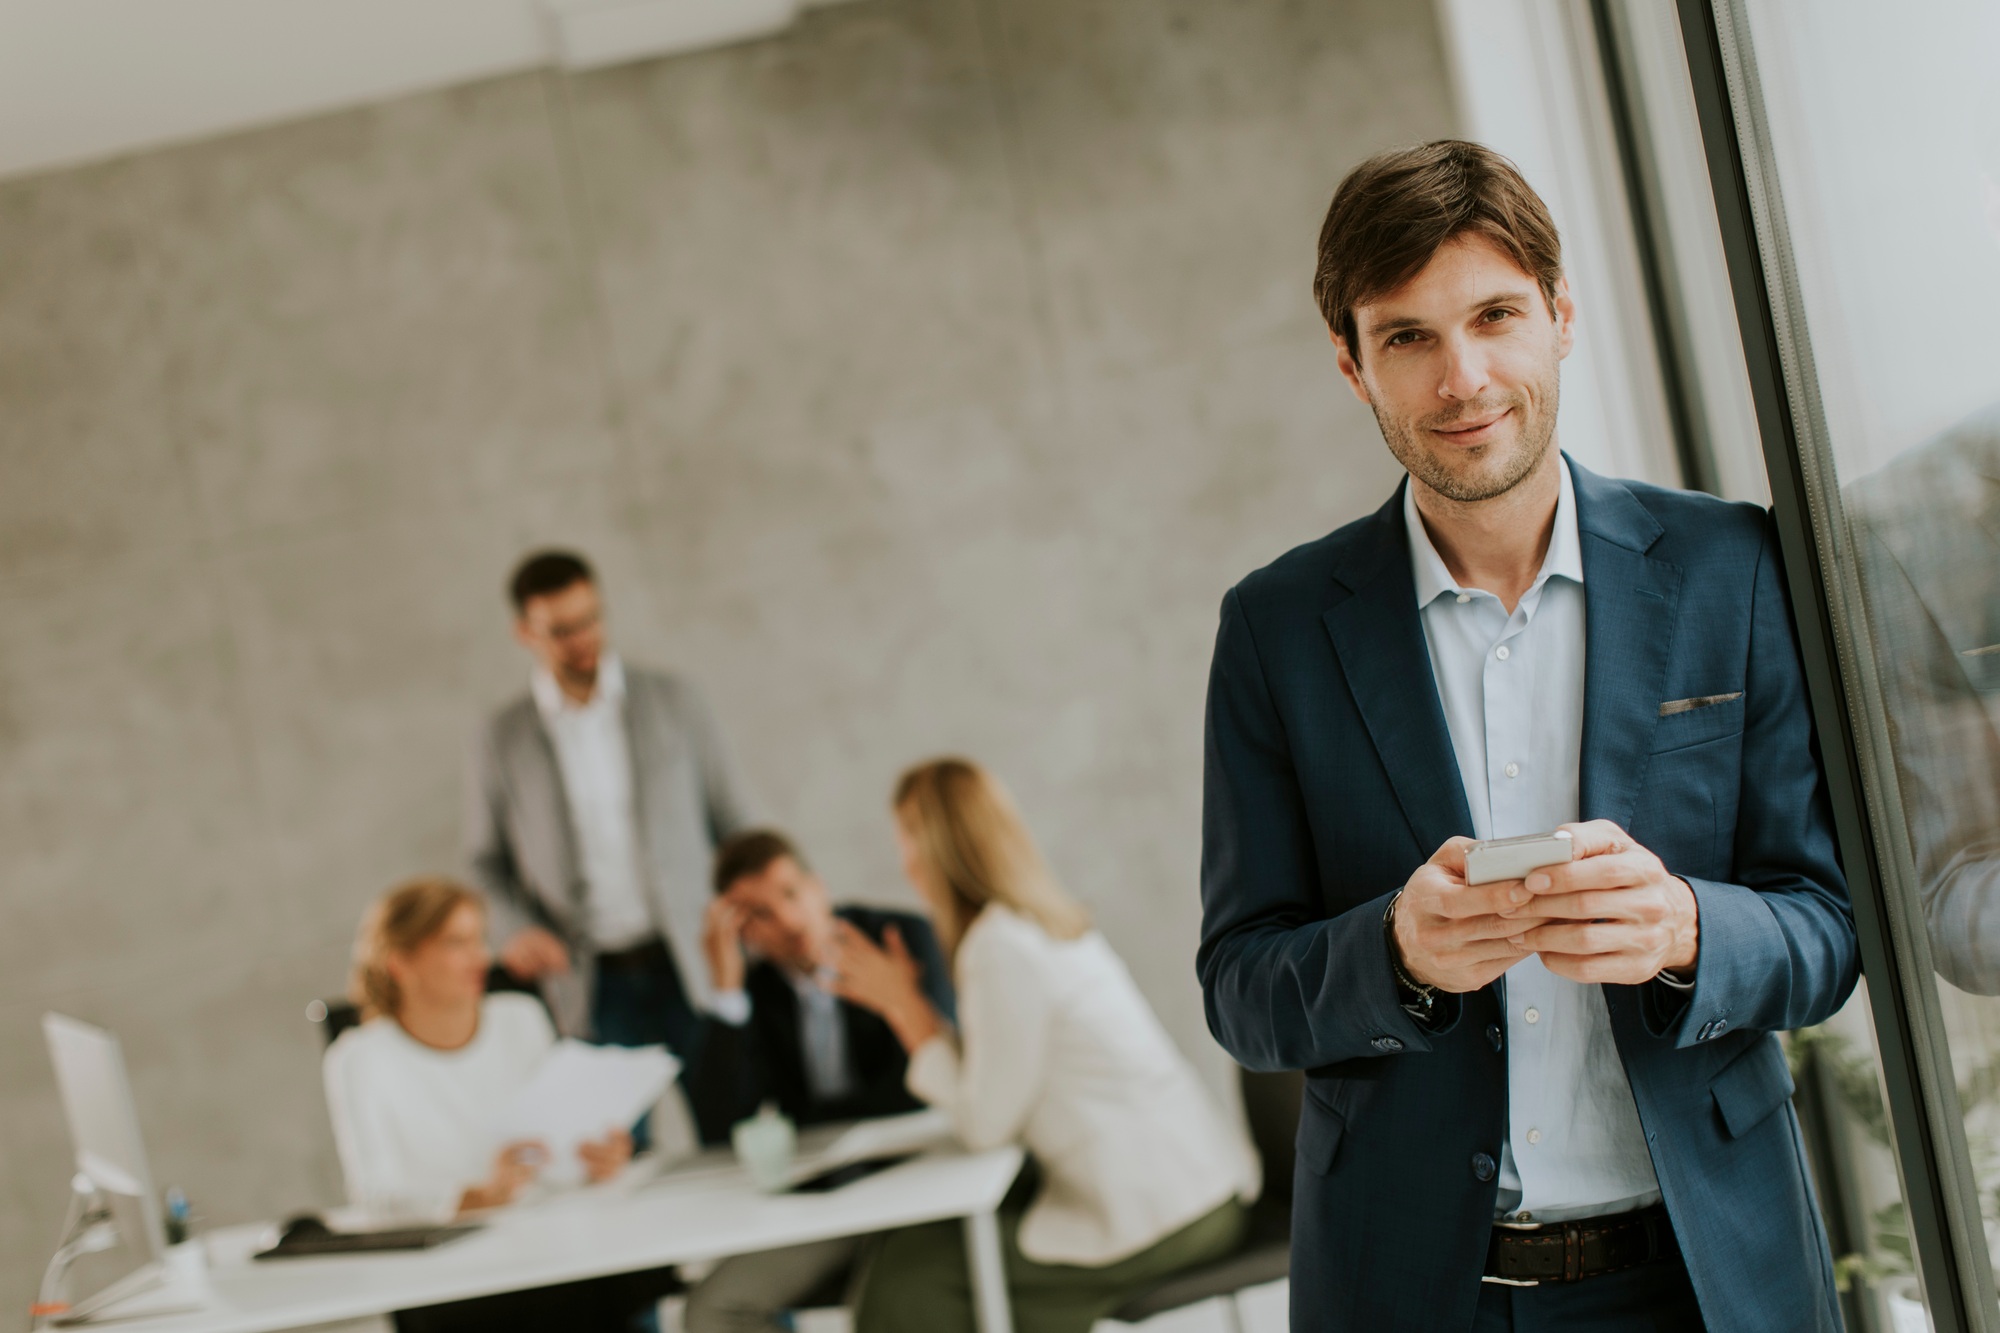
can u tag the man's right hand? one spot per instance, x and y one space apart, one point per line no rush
722 944
534 953
1450 934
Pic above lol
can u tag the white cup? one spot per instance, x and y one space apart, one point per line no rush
766 1144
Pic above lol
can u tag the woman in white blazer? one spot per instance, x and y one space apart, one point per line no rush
1135 1173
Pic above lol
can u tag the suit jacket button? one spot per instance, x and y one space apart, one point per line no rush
1390 1044
1482 1166
1493 1035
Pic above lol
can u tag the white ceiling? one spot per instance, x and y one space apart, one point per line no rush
87 79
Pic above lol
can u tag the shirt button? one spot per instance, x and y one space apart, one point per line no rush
1482 1166
1464 597
1533 1015
1534 1136
1513 770
1503 652
1493 1035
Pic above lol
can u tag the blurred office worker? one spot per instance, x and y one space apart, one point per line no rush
1554 1102
411 1093
1135 1172
1927 533
593 805
1927 530
779 1033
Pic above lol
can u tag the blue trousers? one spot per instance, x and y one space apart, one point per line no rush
1652 1298
646 1006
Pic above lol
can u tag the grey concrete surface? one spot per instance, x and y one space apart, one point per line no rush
920 379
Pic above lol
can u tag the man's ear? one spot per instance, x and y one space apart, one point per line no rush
1350 369
522 634
1565 317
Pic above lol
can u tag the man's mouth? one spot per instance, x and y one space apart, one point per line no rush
1479 431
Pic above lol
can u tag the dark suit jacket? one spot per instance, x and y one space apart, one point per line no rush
1330 778
740 1067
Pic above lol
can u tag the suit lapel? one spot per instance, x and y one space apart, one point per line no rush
1379 638
1631 602
537 778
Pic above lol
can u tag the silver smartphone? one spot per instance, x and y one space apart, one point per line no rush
1512 858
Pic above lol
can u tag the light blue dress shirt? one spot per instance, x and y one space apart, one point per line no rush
1512 690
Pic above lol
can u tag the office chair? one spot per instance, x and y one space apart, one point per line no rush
1271 1105
334 1017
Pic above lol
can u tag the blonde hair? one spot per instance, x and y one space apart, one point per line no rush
398 922
971 838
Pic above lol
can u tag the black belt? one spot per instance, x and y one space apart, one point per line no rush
648 957
1572 1251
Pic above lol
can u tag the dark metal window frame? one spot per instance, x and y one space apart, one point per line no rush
1939 1190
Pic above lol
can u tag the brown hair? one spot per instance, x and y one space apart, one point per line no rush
545 572
1395 211
750 853
400 920
978 849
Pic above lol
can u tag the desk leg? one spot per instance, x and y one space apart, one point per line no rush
989 1274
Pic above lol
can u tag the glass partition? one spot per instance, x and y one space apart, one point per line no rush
1854 149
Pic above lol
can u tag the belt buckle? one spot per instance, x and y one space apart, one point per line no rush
1513 1281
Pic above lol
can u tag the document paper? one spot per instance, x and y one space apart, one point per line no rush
583 1092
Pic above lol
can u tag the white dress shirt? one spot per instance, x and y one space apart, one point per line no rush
596 763
1512 690
1057 1050
414 1125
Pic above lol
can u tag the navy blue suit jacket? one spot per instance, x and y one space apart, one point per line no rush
1330 778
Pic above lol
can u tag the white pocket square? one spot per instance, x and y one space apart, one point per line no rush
1672 706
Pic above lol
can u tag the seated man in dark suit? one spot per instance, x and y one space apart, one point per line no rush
777 1033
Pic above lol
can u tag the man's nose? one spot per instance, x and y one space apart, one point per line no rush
1465 372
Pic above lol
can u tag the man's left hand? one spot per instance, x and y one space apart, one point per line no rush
1613 913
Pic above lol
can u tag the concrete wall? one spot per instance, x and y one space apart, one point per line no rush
920 380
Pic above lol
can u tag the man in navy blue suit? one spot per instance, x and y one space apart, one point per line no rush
1554 1102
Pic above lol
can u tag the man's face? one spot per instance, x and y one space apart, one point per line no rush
565 631
1461 365
787 914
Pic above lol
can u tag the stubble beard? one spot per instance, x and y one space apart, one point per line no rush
1472 484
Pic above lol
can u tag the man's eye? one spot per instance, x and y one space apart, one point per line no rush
1495 316
1402 339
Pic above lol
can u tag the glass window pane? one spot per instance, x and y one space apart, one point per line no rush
1883 146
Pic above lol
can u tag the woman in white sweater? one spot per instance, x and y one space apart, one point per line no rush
413 1089
1135 1175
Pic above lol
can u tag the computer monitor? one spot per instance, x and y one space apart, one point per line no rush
104 1129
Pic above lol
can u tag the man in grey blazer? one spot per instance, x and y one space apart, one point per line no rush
593 804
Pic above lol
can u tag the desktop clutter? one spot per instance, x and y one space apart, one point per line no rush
129 1253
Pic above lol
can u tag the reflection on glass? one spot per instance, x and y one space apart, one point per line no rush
1927 541
1884 125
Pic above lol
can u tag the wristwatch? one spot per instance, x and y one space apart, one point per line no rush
1417 1000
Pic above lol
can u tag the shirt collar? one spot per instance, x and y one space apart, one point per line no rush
551 702
1563 559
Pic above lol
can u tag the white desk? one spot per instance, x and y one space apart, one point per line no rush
703 1210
